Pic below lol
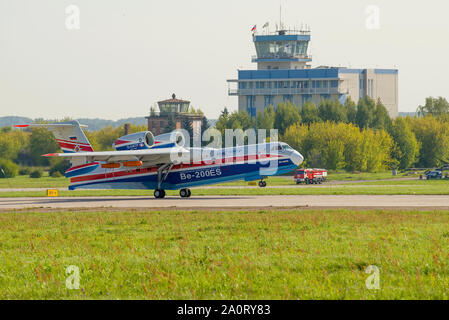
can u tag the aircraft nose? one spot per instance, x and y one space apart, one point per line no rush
297 158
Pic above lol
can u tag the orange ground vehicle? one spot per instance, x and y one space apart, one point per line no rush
309 176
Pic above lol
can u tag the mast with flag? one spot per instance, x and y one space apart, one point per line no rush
253 29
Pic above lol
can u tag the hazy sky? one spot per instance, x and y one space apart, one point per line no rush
129 54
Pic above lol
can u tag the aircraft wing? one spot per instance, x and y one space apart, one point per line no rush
148 157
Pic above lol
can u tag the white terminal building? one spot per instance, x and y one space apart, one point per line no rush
284 74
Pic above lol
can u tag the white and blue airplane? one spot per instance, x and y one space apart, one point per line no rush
161 163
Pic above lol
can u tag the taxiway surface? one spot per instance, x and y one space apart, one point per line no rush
243 202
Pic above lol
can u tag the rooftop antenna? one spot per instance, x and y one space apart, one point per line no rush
280 14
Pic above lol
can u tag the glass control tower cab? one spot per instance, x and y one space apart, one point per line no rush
284 49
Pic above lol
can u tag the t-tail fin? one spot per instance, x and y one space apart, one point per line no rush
69 135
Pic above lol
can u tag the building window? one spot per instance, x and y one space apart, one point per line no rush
325 83
371 88
288 98
267 101
242 85
250 106
306 97
250 85
334 84
316 84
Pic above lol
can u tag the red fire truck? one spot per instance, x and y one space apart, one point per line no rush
309 176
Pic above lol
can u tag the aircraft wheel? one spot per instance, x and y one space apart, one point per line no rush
185 193
262 184
159 193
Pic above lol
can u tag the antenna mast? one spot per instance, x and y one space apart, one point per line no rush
280 14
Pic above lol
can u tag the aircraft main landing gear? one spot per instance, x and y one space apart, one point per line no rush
162 173
185 193
262 183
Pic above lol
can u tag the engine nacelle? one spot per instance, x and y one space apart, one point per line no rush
135 141
169 140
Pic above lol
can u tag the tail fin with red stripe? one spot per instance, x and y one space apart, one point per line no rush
69 135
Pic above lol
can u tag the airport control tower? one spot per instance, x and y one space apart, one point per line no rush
284 49
284 74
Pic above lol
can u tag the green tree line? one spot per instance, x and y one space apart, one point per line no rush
354 136
337 136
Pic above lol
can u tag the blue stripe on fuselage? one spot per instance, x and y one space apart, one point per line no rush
81 171
160 146
192 177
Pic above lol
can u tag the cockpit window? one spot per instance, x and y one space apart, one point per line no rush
286 147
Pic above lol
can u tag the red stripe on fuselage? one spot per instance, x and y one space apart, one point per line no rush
83 166
117 142
118 174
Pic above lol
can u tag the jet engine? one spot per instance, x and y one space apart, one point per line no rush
135 141
170 140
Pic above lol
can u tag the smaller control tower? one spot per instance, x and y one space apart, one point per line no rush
283 49
173 112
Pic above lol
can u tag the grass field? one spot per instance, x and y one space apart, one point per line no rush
414 182
49 182
224 255
27 182
424 189
345 176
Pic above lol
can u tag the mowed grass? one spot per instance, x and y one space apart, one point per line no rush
224 255
424 189
348 176
62 182
26 182
413 182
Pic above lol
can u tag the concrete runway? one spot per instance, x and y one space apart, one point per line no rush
241 202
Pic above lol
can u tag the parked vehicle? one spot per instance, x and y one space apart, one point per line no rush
310 176
435 174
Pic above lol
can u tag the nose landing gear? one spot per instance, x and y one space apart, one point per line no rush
262 183
159 193
185 193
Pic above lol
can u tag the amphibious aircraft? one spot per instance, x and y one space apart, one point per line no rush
142 161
